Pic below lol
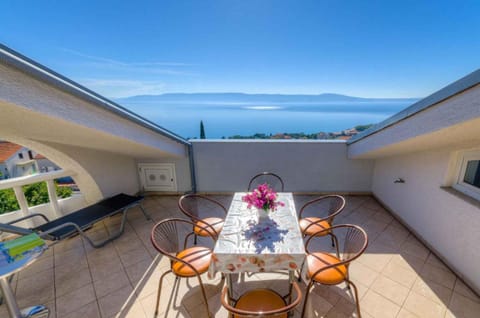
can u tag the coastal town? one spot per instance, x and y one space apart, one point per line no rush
340 135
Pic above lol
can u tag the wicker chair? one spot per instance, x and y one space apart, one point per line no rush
324 268
273 180
318 214
166 237
261 302
207 214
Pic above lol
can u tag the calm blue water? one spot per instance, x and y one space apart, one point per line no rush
228 119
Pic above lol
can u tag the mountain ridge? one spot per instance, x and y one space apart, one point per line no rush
245 97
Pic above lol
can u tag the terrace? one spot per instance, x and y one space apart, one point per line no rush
397 276
417 263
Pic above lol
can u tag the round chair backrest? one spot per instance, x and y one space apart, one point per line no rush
322 207
274 181
197 206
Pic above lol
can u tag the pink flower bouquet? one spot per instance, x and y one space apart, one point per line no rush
263 197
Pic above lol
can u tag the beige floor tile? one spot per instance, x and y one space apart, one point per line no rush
36 289
416 249
435 261
72 256
400 274
433 291
343 309
75 300
317 306
423 307
68 244
101 270
378 306
69 281
390 290
393 236
137 271
406 314
117 301
375 260
326 292
136 255
463 289
41 264
133 311
110 283
363 274
169 303
443 277
408 261
3 311
462 307
87 311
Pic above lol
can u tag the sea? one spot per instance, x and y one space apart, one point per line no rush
223 120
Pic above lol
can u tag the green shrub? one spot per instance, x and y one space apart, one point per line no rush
35 194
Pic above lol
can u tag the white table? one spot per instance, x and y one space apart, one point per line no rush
247 245
7 269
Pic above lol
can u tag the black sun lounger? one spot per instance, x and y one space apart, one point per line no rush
79 221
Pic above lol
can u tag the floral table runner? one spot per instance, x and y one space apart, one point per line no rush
246 244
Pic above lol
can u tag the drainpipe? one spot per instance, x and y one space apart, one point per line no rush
192 167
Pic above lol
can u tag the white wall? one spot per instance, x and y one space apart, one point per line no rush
113 173
305 166
447 222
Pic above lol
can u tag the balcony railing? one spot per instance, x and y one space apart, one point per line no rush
53 209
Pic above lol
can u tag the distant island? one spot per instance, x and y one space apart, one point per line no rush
255 98
264 116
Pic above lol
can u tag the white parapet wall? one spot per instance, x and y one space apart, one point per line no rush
304 165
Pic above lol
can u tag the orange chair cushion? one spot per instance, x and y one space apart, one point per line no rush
304 223
201 229
260 300
199 257
331 276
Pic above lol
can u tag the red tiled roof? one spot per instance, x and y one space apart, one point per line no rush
344 137
8 149
39 156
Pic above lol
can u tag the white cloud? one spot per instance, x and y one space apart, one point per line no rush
155 67
117 88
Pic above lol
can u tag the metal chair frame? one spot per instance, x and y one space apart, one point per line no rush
155 235
332 213
196 218
266 174
226 299
353 248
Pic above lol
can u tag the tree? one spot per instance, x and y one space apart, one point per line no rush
202 130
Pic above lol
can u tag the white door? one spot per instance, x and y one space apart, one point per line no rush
157 176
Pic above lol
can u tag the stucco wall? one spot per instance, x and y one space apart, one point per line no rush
447 222
305 166
113 173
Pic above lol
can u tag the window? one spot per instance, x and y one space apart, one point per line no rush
468 180
20 155
30 154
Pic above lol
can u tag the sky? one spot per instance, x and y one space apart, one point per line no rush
359 48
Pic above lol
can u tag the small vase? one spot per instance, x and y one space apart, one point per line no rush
262 215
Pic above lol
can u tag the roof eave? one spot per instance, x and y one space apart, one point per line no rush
43 73
447 92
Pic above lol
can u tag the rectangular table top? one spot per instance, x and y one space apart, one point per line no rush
247 245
